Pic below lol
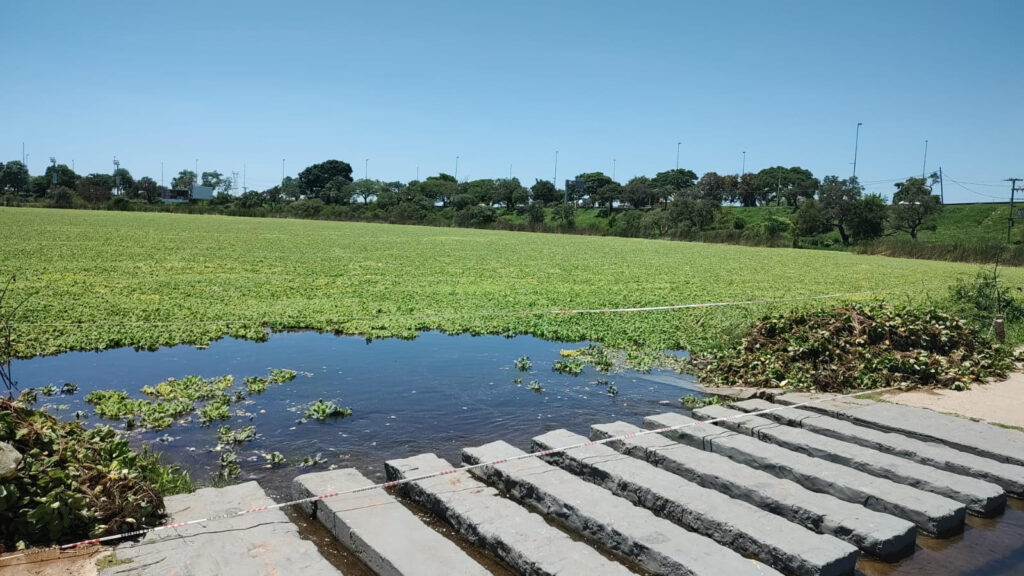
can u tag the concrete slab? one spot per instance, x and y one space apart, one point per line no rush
753 532
880 535
1009 476
634 532
522 539
981 498
931 513
263 543
978 438
378 529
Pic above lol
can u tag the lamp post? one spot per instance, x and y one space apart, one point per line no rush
456 168
677 154
856 143
744 169
924 165
366 169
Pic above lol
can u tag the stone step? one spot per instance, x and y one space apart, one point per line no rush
931 513
753 532
631 531
981 498
260 543
975 437
367 524
1009 476
880 535
522 539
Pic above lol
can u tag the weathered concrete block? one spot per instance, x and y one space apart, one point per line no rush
881 535
931 513
655 543
1009 476
981 498
10 458
385 535
259 543
753 532
524 540
976 437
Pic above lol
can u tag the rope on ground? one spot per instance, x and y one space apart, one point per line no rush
460 469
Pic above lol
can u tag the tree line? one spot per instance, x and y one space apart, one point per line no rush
673 203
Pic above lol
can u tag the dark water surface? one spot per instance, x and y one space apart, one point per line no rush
437 393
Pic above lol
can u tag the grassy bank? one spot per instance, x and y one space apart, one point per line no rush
107 279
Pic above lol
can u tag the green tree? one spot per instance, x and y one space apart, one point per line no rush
365 189
213 179
478 191
185 180
693 212
746 190
314 179
789 185
544 191
868 219
510 193
147 189
607 196
914 207
667 184
839 199
123 181
441 188
95 188
809 220
15 178
639 193
66 177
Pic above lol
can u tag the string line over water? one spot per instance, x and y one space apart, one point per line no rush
418 478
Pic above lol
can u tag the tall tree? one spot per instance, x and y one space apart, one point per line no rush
914 207
839 199
441 188
314 179
365 189
789 185
147 189
510 193
185 180
15 178
213 179
123 181
543 191
96 188
65 176
638 192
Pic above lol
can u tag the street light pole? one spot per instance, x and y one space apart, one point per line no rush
677 154
555 179
856 143
456 169
613 168
744 170
924 165
366 169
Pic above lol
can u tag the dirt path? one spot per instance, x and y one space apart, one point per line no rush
997 402
54 563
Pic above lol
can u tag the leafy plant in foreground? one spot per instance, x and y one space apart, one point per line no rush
321 411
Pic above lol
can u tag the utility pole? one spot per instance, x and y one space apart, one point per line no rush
744 170
924 166
613 168
22 152
417 172
366 169
677 154
942 192
1013 189
856 143
456 169
510 171
555 179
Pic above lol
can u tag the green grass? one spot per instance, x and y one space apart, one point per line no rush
106 279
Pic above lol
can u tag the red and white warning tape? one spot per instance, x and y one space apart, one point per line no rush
411 479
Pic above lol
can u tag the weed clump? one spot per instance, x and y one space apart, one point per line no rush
860 347
75 483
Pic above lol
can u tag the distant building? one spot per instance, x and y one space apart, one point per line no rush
182 196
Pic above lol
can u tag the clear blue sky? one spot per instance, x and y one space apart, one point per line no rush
419 83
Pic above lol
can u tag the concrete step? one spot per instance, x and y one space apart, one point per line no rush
367 522
631 531
981 498
522 539
261 543
880 535
753 532
975 437
1009 476
931 513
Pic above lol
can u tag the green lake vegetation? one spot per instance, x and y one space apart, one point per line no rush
94 280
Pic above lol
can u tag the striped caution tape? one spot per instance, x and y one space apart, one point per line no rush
411 479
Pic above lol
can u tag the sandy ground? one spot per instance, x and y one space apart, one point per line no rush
54 563
999 402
